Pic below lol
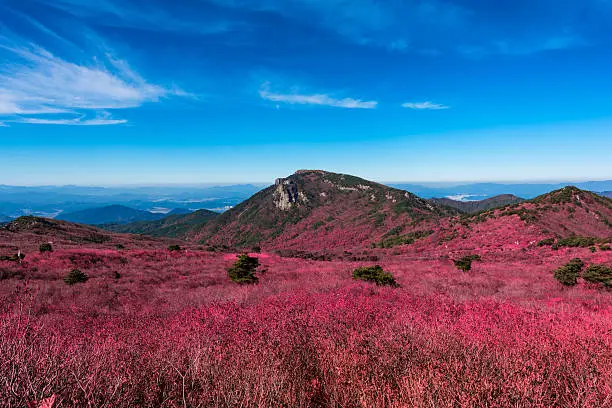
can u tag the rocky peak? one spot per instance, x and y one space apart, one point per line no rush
286 193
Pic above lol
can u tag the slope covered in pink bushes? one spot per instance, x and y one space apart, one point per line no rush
172 330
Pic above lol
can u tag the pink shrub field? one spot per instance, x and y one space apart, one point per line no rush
169 329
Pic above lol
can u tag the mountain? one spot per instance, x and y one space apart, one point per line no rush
570 211
319 210
176 225
564 213
112 214
480 205
606 194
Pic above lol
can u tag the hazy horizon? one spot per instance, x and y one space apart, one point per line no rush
209 184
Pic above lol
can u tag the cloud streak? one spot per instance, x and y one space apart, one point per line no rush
102 119
315 99
424 106
37 82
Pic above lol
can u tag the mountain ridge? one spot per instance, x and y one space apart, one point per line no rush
179 226
28 232
564 213
498 201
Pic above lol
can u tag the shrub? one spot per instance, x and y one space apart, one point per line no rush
407 239
599 274
593 249
256 249
13 258
243 270
568 274
465 264
120 246
317 225
11 274
375 274
577 242
546 242
93 238
45 248
76 276
605 247
174 248
379 219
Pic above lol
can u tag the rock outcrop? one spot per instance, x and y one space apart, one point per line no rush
286 194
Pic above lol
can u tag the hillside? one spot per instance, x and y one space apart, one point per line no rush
175 226
316 210
480 205
568 212
27 233
112 214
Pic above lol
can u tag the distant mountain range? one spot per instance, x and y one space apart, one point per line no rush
481 205
113 214
50 201
480 191
317 212
184 224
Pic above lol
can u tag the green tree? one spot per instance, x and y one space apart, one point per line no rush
568 274
465 264
45 248
76 276
243 270
374 274
599 274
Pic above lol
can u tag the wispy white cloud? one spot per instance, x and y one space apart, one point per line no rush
33 81
314 99
424 106
72 122
102 119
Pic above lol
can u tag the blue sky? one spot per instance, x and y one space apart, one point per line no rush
125 91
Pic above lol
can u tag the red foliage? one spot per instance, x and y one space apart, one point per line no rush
172 330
